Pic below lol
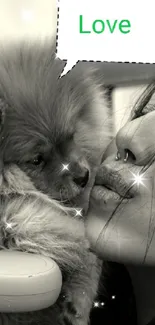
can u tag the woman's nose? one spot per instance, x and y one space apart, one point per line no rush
137 138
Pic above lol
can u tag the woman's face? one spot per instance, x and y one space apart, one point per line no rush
121 223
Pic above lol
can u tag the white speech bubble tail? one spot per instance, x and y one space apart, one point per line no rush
69 65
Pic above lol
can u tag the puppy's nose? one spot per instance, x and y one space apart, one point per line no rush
81 177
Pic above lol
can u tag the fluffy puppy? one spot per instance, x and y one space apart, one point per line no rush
54 132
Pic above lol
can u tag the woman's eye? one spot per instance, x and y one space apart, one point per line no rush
38 160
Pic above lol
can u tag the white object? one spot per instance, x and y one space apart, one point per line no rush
22 19
28 282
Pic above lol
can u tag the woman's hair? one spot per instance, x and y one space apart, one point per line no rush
144 103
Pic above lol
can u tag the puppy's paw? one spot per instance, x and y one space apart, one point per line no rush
75 311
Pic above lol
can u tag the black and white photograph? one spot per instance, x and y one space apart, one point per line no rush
77 180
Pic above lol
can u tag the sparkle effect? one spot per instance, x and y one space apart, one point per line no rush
96 304
65 167
138 179
8 225
102 304
78 213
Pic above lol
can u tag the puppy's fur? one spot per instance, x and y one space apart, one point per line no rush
47 121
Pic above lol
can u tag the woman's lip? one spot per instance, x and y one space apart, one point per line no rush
125 191
114 181
105 195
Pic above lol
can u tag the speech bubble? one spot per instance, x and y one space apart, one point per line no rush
111 31
69 65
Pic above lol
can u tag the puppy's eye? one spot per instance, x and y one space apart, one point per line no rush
38 160
70 137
